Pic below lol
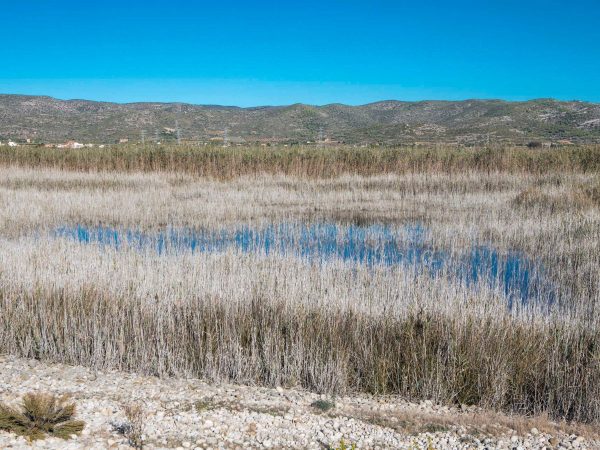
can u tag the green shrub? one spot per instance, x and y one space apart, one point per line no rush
344 446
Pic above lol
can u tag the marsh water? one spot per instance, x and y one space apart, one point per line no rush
513 273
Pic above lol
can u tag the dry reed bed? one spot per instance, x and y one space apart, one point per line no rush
275 320
279 321
506 210
38 198
305 161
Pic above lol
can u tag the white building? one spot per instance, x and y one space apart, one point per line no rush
12 144
71 144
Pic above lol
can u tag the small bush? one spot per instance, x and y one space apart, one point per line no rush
40 415
133 430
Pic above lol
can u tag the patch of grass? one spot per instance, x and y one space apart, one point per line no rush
323 405
271 410
209 405
40 415
434 428
412 424
204 405
343 446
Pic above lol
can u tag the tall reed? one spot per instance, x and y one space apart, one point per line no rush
277 319
272 321
305 161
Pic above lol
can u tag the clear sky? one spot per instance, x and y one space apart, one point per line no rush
279 52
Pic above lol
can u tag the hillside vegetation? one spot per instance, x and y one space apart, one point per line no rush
45 119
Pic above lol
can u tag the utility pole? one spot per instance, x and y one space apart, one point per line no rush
178 132
143 137
156 136
177 124
226 137
320 137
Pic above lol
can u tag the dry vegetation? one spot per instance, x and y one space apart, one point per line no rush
306 161
40 415
279 320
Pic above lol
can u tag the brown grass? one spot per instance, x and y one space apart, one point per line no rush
557 195
281 321
479 422
536 368
40 415
313 162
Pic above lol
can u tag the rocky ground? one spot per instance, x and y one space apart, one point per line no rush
189 413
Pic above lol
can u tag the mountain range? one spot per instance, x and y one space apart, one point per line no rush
44 119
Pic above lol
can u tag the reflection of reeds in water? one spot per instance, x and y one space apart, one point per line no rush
279 319
519 277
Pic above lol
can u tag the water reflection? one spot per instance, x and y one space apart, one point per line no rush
516 275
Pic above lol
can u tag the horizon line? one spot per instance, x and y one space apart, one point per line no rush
428 100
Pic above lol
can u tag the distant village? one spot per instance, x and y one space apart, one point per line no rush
222 138
67 144
71 144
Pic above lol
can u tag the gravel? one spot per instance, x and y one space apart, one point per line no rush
193 414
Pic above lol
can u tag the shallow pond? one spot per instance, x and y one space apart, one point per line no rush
516 275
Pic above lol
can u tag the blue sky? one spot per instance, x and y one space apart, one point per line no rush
279 52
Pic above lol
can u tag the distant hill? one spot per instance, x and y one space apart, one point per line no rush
45 119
